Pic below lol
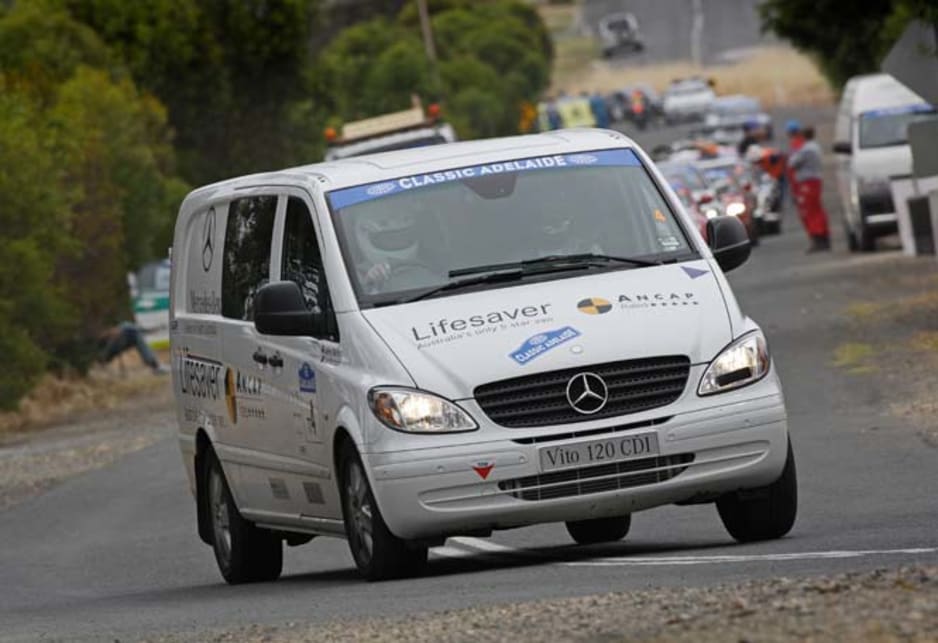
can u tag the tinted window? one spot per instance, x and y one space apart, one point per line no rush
302 263
247 254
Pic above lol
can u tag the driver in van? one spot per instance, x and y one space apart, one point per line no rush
393 254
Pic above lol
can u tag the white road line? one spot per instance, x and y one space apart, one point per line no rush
452 552
638 561
486 546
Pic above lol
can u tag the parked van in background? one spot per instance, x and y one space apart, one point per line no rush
419 344
870 139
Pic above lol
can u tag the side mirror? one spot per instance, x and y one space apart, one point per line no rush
842 147
279 309
729 242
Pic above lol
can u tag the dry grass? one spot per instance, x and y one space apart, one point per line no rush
558 17
57 399
775 75
854 357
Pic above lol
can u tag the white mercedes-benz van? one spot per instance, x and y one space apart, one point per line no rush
408 346
872 145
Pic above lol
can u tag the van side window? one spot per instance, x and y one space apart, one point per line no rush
302 263
246 265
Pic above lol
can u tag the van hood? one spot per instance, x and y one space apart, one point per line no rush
450 345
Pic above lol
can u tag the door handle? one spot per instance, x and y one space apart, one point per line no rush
259 357
275 361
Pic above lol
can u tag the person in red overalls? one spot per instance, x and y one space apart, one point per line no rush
806 165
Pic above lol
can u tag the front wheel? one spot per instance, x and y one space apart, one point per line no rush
765 513
599 530
378 553
244 552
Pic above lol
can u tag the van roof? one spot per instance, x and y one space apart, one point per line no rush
372 168
880 91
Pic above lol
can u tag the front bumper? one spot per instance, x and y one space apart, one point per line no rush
442 491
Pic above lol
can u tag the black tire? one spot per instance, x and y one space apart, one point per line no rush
773 227
387 556
599 530
247 554
866 240
852 244
766 513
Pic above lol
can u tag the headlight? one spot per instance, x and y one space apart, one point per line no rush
711 213
735 208
743 362
418 412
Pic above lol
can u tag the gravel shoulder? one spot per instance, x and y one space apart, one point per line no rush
34 461
884 605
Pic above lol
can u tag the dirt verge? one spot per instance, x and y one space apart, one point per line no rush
877 606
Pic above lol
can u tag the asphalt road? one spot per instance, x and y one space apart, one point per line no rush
114 553
729 25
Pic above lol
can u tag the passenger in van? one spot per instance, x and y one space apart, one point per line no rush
393 254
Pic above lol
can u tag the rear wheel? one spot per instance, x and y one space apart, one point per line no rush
866 240
765 513
773 227
378 553
244 552
599 530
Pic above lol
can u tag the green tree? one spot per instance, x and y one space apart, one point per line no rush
230 72
34 218
493 54
87 188
844 42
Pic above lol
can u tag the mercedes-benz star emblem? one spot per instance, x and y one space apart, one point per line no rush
208 239
587 393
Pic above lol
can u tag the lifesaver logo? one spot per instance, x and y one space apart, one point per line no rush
594 306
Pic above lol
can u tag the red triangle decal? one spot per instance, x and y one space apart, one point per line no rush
484 470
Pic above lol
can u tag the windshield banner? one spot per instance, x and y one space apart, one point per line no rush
920 108
360 193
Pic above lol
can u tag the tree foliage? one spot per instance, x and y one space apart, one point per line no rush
492 55
844 42
86 186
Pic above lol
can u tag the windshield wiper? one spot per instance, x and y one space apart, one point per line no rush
488 278
553 263
514 271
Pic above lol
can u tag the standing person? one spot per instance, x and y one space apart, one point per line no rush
806 165
124 337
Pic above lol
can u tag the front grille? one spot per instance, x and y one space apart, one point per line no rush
598 478
541 399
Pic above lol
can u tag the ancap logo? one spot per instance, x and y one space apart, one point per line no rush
587 393
582 159
594 306
208 239
380 189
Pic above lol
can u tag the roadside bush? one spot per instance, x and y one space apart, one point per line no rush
87 191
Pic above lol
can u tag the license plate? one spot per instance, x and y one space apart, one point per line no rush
617 449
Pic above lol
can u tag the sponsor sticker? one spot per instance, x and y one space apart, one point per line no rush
307 377
360 193
483 468
693 273
594 306
541 343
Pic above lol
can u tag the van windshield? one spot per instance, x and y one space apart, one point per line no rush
402 237
888 127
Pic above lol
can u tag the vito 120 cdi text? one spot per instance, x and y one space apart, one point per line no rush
403 347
